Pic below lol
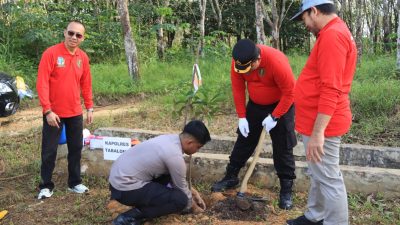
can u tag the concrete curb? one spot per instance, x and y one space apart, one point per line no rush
350 154
209 164
211 167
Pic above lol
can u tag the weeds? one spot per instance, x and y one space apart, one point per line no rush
373 209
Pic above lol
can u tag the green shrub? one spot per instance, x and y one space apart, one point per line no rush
373 68
374 98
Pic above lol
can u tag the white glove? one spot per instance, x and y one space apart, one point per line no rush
244 127
269 123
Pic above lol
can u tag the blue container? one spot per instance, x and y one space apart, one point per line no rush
63 136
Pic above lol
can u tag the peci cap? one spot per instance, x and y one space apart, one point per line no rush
306 4
198 130
244 53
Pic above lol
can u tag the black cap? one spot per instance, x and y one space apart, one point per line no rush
198 130
244 53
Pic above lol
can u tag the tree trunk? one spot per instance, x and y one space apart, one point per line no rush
386 25
276 22
130 46
160 33
369 19
202 5
351 19
259 22
398 36
170 39
342 9
359 26
160 38
217 12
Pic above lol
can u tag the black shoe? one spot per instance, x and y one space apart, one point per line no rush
230 180
124 219
302 220
225 183
285 201
285 195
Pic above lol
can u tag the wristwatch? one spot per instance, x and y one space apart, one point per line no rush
274 118
90 110
47 113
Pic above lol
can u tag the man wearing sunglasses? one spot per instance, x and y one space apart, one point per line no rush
63 74
266 75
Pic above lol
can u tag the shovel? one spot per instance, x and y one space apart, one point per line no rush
242 202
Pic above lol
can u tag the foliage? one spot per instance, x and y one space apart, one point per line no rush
32 27
373 209
375 98
203 104
376 67
375 94
27 28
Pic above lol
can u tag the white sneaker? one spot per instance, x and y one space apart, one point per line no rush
80 189
45 193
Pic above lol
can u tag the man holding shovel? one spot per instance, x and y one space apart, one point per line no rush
151 176
323 112
268 77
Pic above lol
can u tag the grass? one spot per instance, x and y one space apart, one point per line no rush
375 102
375 98
375 94
373 209
22 155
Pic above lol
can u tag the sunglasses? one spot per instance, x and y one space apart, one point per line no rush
77 35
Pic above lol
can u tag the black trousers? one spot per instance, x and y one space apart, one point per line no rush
282 136
50 137
153 200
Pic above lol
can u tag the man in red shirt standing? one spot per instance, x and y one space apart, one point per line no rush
63 74
270 85
323 111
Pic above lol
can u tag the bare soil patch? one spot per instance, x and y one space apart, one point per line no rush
95 208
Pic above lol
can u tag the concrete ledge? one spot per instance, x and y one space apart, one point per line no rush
209 167
377 170
351 155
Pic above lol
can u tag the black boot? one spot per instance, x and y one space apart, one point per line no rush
230 180
130 217
285 195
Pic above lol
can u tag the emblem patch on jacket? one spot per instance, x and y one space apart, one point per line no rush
60 62
261 72
79 63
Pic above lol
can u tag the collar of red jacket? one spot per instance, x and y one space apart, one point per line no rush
329 24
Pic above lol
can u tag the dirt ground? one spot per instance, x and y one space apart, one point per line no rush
31 117
127 112
94 208
65 208
18 194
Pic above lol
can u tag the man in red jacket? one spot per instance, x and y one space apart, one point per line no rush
63 74
323 111
270 84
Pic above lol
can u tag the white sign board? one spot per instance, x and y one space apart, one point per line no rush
113 147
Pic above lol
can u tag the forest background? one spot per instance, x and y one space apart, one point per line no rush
163 39
142 54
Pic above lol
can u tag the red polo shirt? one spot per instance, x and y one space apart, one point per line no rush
271 82
325 81
61 79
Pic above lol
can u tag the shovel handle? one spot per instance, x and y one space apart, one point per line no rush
249 171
